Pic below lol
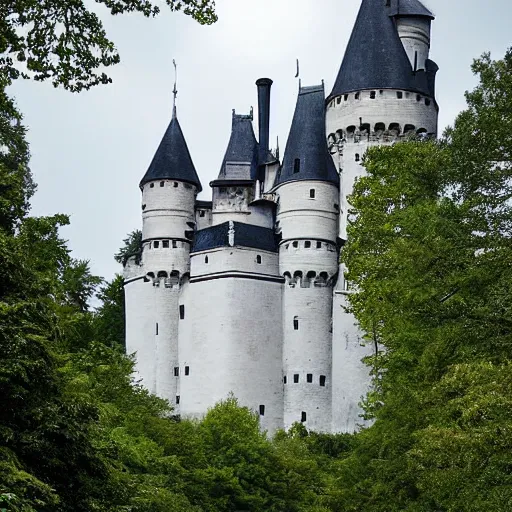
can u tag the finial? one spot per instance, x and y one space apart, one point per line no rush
277 148
298 70
175 90
252 113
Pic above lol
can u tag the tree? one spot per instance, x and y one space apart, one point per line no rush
65 42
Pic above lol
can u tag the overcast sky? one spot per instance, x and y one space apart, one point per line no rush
89 151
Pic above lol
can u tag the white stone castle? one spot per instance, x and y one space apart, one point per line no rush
244 294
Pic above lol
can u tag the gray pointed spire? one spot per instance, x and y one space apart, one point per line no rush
306 156
172 159
375 57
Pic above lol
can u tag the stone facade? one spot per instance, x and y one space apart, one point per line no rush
245 294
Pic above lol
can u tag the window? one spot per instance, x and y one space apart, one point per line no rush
312 193
338 100
307 244
156 329
143 207
262 410
418 97
309 378
358 157
416 61
175 184
187 370
322 380
296 165
258 259
174 244
186 185
202 213
284 379
407 94
165 244
357 95
206 259
182 311
176 371
177 399
372 95
162 183
296 378
381 92
427 102
151 185
156 245
295 244
345 97
319 245
222 190
303 417
399 94
295 323
337 207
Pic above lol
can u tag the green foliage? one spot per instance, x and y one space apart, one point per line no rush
132 248
429 254
65 42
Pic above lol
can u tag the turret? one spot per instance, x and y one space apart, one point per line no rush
307 219
169 189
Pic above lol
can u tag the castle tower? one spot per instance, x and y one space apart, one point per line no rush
230 332
307 189
384 92
152 289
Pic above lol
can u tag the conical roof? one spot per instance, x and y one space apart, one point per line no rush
410 8
306 156
241 158
375 57
172 159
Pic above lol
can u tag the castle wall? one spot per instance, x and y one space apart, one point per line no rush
233 340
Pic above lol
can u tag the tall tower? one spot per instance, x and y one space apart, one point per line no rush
384 92
153 288
307 189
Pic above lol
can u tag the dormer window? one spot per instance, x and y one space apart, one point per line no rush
296 165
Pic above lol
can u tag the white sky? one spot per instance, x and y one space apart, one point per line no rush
90 150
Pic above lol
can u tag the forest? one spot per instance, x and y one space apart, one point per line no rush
429 258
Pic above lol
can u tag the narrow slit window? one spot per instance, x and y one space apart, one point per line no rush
182 311
416 61
295 323
165 244
177 399
345 97
307 245
303 417
296 378
312 193
258 259
418 97
358 157
162 183
296 165
206 259
338 100
285 380
309 378
187 370
156 328
322 380
262 410
202 213
176 371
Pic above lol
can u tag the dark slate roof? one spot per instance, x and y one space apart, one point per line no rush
307 141
375 57
172 159
409 8
245 235
241 158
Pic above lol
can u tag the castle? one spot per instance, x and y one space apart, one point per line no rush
244 294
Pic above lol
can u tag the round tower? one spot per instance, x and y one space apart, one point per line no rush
307 219
384 93
169 189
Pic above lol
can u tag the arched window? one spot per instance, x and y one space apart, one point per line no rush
380 127
394 127
409 128
295 323
351 130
